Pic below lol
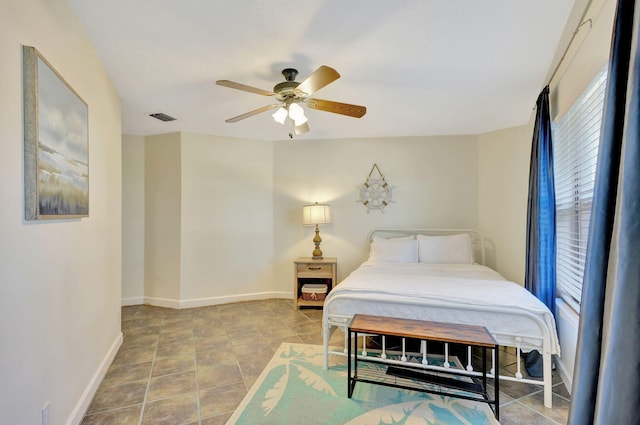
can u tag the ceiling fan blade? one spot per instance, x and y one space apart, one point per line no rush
243 87
314 82
356 111
252 113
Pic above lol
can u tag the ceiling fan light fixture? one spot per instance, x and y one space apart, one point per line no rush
291 96
280 115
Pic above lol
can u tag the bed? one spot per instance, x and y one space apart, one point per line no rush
439 275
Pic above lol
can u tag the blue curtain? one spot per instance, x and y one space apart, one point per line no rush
540 272
606 379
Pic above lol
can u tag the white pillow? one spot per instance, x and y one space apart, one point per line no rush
452 249
397 250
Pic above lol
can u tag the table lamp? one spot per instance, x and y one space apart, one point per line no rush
314 215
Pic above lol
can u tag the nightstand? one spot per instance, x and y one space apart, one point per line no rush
306 270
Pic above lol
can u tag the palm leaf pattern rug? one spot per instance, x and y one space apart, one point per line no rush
295 388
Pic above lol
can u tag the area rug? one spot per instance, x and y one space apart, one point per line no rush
295 388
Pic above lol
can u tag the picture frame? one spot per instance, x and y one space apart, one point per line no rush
56 143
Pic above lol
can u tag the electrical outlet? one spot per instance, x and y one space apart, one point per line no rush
45 413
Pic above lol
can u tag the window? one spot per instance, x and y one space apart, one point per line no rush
576 138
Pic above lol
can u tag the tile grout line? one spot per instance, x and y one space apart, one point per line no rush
195 371
153 362
536 411
519 401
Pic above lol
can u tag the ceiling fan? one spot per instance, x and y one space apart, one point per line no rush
292 94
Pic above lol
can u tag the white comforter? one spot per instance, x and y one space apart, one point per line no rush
457 293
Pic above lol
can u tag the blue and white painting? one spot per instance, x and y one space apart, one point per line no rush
63 157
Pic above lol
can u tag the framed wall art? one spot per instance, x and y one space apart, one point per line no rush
56 143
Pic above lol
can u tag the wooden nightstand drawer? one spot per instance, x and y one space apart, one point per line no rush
315 269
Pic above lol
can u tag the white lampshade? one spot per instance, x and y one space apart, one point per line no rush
296 113
301 129
316 214
280 115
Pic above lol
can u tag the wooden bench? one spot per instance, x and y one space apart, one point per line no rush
474 389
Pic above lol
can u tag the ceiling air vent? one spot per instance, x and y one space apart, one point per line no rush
162 117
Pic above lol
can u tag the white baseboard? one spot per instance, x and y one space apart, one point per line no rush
203 302
132 301
565 374
162 302
87 395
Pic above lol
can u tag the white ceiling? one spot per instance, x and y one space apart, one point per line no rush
421 67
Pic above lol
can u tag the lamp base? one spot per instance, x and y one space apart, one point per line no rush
317 253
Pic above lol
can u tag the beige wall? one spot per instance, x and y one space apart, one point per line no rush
60 284
162 212
586 55
133 211
503 185
227 219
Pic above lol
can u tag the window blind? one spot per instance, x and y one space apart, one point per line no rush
576 139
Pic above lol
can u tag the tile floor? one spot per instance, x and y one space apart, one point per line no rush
194 366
